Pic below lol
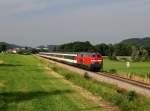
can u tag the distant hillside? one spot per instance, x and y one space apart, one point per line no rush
52 47
10 45
49 47
145 42
14 46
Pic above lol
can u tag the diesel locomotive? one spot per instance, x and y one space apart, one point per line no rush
90 61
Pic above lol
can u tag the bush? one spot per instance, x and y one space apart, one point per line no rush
86 76
113 71
68 76
128 106
54 68
131 95
117 100
120 91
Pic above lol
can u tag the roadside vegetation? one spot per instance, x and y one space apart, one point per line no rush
25 85
127 101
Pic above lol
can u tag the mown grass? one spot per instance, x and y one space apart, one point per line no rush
127 101
26 86
136 68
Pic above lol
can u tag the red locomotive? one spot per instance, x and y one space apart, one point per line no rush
90 61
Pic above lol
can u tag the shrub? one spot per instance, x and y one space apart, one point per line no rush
2 102
113 71
68 76
118 99
128 106
131 95
86 76
120 91
54 68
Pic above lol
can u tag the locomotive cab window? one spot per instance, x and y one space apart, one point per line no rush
93 56
98 55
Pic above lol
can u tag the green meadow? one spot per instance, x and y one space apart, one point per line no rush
26 86
136 68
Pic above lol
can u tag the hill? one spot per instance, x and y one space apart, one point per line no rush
144 42
52 47
8 46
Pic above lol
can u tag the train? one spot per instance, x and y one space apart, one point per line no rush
86 60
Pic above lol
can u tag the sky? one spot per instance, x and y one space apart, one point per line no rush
43 22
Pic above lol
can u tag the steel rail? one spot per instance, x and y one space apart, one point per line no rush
130 81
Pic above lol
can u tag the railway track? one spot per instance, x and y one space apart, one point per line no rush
122 82
130 81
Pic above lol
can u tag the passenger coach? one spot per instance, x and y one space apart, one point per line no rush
90 61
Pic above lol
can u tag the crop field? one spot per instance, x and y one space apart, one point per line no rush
136 68
25 85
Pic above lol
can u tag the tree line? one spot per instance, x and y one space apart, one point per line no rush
137 53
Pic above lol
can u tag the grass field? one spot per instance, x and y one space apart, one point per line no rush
127 101
26 86
136 68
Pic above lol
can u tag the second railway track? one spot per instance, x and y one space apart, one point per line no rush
130 81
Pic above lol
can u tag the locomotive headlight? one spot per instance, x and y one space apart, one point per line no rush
96 61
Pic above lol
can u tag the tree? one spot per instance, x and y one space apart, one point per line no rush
123 49
135 54
144 55
110 50
148 49
77 47
139 54
3 47
102 48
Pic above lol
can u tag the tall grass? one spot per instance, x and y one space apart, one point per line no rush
127 101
